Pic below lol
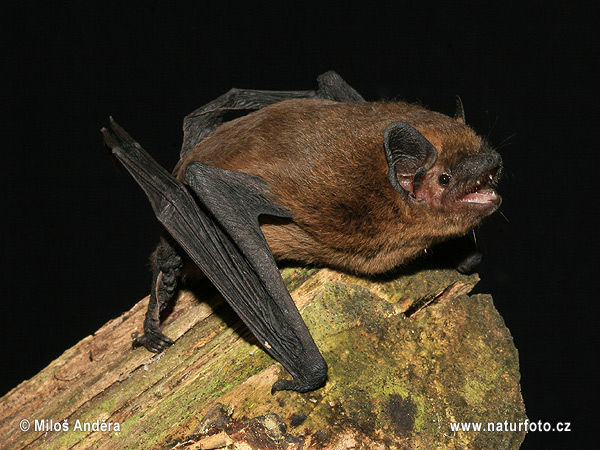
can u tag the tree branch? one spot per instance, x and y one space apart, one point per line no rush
407 357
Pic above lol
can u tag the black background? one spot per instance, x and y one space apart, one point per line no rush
76 233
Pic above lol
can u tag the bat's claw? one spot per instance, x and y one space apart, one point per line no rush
310 381
293 385
467 265
154 341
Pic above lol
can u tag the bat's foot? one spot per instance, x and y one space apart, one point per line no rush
293 385
468 265
154 341
309 382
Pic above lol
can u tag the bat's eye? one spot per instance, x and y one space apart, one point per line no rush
444 179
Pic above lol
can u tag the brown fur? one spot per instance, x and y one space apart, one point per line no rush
324 162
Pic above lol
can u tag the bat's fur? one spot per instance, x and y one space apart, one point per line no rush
324 162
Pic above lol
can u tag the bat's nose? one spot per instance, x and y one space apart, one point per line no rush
493 160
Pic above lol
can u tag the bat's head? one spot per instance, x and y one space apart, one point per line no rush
446 175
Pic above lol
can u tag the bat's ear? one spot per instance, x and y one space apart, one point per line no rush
409 156
459 114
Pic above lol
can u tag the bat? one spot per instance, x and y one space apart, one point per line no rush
321 177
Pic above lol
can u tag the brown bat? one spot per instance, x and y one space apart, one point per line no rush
337 181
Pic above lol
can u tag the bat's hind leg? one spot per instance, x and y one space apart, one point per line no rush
167 265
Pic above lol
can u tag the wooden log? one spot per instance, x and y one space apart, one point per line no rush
408 357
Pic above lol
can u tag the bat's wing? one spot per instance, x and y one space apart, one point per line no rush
200 123
221 235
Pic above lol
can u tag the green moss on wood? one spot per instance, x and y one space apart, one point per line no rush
394 380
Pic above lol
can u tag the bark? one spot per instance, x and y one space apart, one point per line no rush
407 357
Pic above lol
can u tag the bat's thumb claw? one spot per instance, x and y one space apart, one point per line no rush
314 381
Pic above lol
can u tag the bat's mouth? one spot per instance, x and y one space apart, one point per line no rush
482 190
